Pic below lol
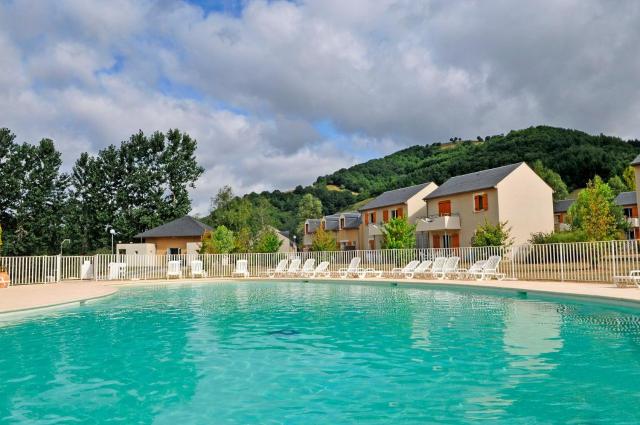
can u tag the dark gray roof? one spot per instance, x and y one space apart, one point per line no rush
331 222
183 226
352 220
563 205
394 197
636 160
626 198
313 224
473 181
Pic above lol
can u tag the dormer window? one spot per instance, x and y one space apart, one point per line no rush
342 222
306 228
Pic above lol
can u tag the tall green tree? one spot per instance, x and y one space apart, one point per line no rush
617 185
553 179
596 214
37 214
218 241
308 207
138 185
323 241
398 233
488 234
268 241
629 177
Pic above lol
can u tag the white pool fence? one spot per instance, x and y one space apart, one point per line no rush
583 262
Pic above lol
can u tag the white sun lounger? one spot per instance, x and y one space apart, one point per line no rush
321 271
242 269
422 269
174 269
438 266
403 271
475 268
450 267
308 266
294 268
280 269
633 278
489 269
197 270
352 270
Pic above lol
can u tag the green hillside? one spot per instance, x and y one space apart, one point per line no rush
575 155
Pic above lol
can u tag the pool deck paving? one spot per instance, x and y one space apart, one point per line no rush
18 298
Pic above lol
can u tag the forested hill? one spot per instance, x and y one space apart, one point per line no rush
575 155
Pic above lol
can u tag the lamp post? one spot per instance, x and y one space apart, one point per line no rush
62 244
295 245
113 233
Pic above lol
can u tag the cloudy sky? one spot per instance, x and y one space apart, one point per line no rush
279 92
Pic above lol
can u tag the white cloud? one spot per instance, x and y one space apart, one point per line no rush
251 88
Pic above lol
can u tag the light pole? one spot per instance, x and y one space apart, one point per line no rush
62 244
113 233
295 245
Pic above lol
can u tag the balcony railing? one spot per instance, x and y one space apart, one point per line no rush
436 223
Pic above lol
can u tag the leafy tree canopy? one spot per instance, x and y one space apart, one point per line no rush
553 179
488 234
398 233
323 241
218 241
268 241
596 214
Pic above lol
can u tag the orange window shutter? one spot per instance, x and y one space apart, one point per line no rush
560 218
634 211
436 241
366 218
455 240
375 217
485 202
476 200
385 215
399 212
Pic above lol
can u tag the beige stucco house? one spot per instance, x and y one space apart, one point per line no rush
343 227
405 202
180 236
512 193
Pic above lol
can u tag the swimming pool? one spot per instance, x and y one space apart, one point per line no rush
307 353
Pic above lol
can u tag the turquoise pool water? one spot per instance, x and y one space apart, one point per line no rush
312 353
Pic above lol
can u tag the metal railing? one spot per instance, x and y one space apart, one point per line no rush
583 262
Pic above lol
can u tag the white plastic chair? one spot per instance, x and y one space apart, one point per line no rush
294 267
438 266
280 269
471 271
423 268
450 267
308 266
321 270
353 269
197 270
490 269
242 269
174 269
403 271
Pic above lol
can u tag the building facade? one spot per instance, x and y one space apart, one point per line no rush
343 227
405 202
513 193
